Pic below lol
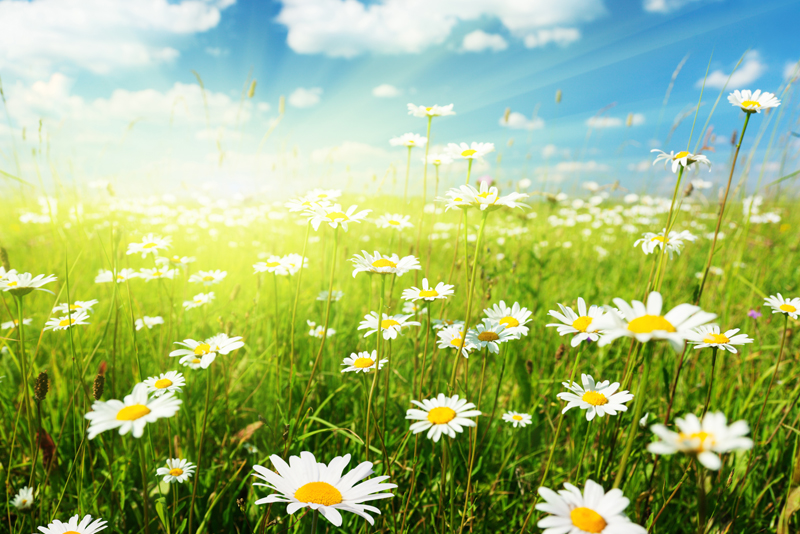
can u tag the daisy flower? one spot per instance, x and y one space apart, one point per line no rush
593 511
104 276
150 244
149 322
646 322
439 324
438 159
409 140
450 337
336 296
390 326
377 263
20 284
23 500
321 195
208 278
63 323
10 325
132 413
455 198
790 307
441 415
750 102
706 439
157 274
674 242
292 263
178 261
430 111
465 151
319 331
272 265
305 203
4 273
86 526
362 362
597 398
224 344
488 198
514 318
489 334
441 291
169 382
583 324
177 470
517 419
206 351
334 216
306 483
710 336
681 159
394 220
198 300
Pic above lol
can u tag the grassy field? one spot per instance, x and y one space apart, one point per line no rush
283 392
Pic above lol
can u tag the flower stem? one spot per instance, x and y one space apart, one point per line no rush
425 350
637 414
670 223
701 500
377 360
143 463
23 358
408 168
199 447
473 444
294 316
711 378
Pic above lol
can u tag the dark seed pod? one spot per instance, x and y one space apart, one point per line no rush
42 386
560 352
97 388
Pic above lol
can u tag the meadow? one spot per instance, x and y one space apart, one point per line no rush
262 372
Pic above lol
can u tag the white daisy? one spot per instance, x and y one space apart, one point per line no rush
104 276
596 398
224 344
362 362
272 265
450 338
465 151
706 439
208 278
149 322
292 263
790 307
377 263
306 202
85 526
674 243
334 216
710 336
177 470
336 296
439 159
455 198
178 261
150 244
169 382
414 308
67 321
391 325
198 300
4 274
514 318
394 220
318 331
646 322
518 419
77 305
322 195
583 324
23 500
10 325
409 140
304 482
206 350
442 415
489 334
439 324
430 111
158 274
592 512
441 291
19 284
750 102
681 159
131 413
488 198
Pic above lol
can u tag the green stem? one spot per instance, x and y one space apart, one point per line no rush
408 169
637 414
200 446
667 228
25 383
425 350
294 316
377 359
144 487
473 444
701 500
710 379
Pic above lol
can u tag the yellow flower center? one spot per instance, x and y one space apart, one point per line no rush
788 308
516 417
318 493
456 341
66 322
458 199
429 108
659 238
441 415
582 323
681 154
202 348
587 520
363 363
485 194
163 383
273 263
176 471
383 262
322 195
594 398
132 412
751 104
509 321
150 245
196 360
702 436
716 339
387 323
428 293
647 324
394 223
488 335
71 532
176 259
468 152
334 215
120 277
207 278
75 307
13 283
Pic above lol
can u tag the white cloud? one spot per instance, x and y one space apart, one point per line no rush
518 121
749 71
305 98
665 6
349 152
479 40
39 36
635 119
347 28
641 166
791 70
577 166
559 36
386 91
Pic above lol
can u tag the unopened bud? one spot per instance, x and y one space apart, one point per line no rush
506 115
733 138
560 352
688 190
629 120
558 96
252 92
97 388
42 386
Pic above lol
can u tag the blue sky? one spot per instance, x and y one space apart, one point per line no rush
89 69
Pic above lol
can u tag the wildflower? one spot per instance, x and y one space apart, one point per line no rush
105 276
754 314
465 151
334 216
709 336
790 307
517 419
390 326
394 220
593 511
336 296
377 263
169 382
488 198
149 322
674 241
208 278
319 331
20 284
409 140
304 482
77 305
10 325
177 470
86 526
489 335
681 159
450 337
645 322
514 318
158 274
362 362
438 159
292 263
439 324
455 198
441 291
430 111
206 350
705 439
132 413
198 300
306 202
441 415
23 500
583 324
597 398
68 321
150 244
178 261
750 102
